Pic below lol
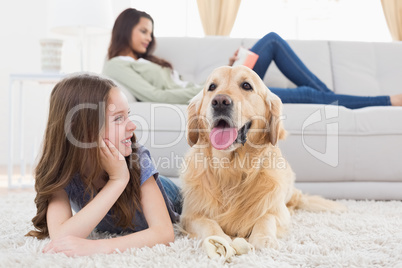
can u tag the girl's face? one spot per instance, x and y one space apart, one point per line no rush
119 128
141 36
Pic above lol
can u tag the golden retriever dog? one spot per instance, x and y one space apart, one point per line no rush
236 182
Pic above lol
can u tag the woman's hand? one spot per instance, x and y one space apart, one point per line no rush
75 246
113 162
233 58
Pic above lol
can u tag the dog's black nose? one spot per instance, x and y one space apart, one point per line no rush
221 101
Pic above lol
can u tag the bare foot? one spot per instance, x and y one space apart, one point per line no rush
396 100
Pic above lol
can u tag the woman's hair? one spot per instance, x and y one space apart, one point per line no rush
76 118
121 36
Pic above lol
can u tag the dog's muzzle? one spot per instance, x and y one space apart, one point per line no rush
222 105
224 134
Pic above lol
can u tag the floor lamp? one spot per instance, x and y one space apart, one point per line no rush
80 18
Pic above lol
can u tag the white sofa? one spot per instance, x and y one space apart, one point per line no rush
335 152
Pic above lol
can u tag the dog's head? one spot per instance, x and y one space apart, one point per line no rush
234 107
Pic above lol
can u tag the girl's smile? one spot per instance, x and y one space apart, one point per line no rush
119 128
127 142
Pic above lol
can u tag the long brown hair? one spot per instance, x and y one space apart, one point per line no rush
77 110
121 36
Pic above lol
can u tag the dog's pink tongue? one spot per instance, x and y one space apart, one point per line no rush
221 137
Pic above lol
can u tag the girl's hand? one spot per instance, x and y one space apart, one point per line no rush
113 162
233 58
74 246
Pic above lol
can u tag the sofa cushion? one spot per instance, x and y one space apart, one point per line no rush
341 144
319 119
363 68
180 54
159 116
213 52
311 119
195 58
338 142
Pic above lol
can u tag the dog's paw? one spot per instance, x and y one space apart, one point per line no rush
260 242
241 246
217 246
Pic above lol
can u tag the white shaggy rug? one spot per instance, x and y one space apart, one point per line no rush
368 235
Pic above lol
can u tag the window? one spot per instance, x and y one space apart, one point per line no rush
353 20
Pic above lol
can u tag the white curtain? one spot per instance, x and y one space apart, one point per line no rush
218 16
393 14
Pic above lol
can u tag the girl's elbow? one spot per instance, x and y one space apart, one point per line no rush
169 236
166 235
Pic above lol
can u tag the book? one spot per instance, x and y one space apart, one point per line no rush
246 58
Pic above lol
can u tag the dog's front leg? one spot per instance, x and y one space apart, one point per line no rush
203 227
264 231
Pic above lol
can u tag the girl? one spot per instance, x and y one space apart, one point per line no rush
131 63
91 160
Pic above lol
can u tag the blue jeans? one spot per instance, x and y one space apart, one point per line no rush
309 89
173 193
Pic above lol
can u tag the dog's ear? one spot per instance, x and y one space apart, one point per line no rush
274 112
192 130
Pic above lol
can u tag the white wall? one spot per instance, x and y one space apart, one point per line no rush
22 24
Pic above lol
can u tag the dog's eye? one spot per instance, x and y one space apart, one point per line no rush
246 86
212 87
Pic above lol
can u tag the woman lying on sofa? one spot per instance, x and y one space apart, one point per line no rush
131 63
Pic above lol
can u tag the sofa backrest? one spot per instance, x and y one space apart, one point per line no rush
359 68
196 58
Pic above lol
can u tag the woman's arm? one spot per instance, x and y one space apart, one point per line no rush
233 58
160 229
143 90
